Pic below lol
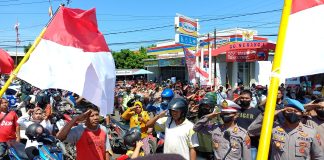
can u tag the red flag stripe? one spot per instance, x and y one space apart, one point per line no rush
300 5
76 28
202 72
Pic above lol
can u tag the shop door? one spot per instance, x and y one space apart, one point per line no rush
243 74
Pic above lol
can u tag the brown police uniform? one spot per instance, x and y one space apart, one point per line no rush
302 142
230 144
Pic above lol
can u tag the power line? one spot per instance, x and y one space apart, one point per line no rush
24 3
131 42
241 15
206 20
8 1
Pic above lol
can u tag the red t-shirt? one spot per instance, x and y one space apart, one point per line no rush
92 145
8 126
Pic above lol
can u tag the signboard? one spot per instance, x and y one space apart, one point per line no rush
186 25
186 40
171 62
124 72
247 36
151 63
246 55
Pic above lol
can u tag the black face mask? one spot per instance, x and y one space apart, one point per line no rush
320 113
245 104
203 111
292 117
227 118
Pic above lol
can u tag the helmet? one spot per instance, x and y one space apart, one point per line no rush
42 99
132 136
207 104
179 104
34 131
167 93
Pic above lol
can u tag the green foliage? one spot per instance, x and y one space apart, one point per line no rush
26 48
127 59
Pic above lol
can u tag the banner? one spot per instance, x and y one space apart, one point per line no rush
247 55
190 62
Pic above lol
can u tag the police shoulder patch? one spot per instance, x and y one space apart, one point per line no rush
318 137
247 141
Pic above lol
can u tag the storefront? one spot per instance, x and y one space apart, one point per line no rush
239 56
164 69
241 62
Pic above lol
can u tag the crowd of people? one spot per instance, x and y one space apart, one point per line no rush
195 122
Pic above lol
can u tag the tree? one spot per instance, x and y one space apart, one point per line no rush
127 59
26 48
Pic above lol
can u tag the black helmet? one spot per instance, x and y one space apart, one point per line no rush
206 105
179 104
131 137
42 99
34 131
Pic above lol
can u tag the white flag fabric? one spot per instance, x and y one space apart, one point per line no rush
73 55
303 52
203 76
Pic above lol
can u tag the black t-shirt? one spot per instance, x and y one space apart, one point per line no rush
246 117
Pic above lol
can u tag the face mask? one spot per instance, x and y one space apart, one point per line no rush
320 113
292 117
245 104
227 118
203 111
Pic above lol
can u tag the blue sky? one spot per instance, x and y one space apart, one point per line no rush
128 15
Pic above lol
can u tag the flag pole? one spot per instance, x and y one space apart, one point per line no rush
268 119
26 57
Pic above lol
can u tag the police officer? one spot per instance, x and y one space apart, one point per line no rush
291 139
206 106
317 121
229 140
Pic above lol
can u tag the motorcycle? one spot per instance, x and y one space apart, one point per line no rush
60 119
117 131
48 149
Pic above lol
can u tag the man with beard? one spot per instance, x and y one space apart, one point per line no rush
291 139
247 115
317 122
230 141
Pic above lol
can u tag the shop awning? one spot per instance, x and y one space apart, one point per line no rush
239 46
143 71
130 72
243 51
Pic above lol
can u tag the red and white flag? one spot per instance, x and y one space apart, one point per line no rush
203 76
6 62
303 52
73 55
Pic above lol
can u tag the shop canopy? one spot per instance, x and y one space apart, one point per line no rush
6 62
242 51
130 72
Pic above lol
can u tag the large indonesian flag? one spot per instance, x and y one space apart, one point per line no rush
303 50
73 55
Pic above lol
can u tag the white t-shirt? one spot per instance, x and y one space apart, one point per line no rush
178 138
